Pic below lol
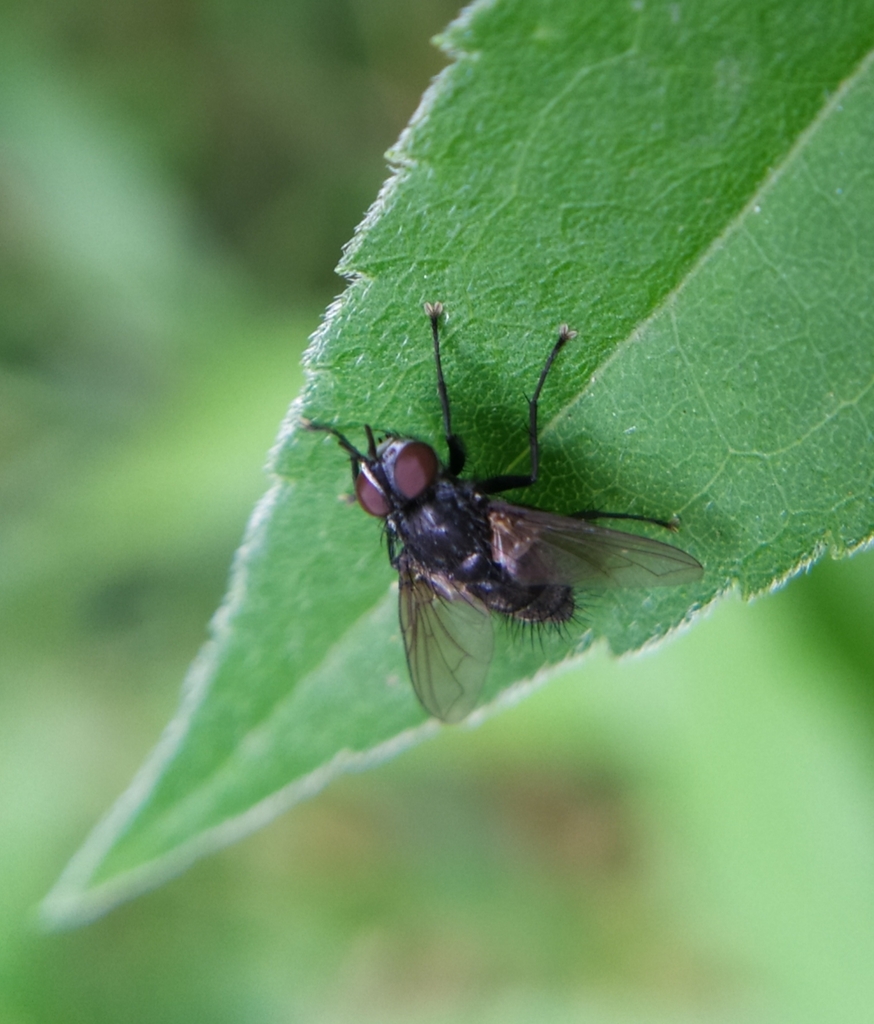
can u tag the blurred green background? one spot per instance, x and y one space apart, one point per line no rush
684 836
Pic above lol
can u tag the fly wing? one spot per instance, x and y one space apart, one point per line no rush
448 638
543 547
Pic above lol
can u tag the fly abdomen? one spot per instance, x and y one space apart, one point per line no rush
547 602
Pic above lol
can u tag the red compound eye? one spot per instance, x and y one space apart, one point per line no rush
370 497
415 469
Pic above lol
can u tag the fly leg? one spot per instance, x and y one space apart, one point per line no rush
496 484
457 456
356 457
592 513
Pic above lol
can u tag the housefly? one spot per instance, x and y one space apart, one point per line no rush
462 554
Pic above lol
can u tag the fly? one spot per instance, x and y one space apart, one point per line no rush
462 554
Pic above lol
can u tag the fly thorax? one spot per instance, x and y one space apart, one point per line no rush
446 533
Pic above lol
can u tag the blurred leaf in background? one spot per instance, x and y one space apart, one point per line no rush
687 838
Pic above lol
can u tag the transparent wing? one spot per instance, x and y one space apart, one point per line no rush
543 547
448 639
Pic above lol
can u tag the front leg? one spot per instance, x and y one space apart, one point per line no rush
395 547
496 484
355 456
457 456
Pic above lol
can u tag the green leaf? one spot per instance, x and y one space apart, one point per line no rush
691 188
